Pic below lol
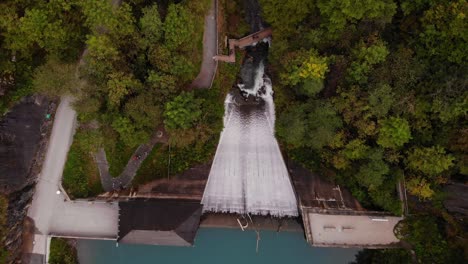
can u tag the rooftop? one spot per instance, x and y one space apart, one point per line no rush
353 230
159 221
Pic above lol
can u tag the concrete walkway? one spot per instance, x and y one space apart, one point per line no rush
210 49
124 180
50 210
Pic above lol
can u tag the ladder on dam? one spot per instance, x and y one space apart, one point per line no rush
242 43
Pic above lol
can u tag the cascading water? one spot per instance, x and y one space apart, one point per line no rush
248 174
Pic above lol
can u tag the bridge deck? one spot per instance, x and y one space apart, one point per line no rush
242 43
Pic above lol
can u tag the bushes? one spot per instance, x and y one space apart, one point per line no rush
81 176
61 252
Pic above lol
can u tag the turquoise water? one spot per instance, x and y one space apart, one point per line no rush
217 246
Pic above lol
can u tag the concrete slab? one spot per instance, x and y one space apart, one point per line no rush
85 219
352 230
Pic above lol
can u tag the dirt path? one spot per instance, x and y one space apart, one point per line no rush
210 49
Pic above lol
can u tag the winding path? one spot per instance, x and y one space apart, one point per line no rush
124 180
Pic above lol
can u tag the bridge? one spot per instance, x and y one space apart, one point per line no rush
242 43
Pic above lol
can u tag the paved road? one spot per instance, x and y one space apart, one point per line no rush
50 211
210 49
124 180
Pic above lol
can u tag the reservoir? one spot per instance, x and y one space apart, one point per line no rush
216 246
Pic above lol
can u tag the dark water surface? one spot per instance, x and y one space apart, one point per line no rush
217 246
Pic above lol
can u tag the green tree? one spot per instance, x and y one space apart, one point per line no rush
394 132
128 132
322 125
275 10
151 25
372 173
163 85
119 86
291 126
144 112
424 235
183 111
337 13
101 17
356 149
445 34
429 160
381 100
177 27
365 58
53 27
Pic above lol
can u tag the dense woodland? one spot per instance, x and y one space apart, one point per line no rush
373 92
368 93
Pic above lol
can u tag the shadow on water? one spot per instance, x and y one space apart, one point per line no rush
226 246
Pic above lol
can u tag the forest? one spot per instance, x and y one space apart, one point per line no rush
368 93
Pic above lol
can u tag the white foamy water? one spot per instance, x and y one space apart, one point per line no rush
248 174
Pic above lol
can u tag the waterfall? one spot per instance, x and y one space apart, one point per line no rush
248 174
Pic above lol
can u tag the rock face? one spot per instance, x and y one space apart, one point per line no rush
457 200
20 133
24 132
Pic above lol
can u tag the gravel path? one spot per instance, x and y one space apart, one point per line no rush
210 49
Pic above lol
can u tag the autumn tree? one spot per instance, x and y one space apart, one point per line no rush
55 78
306 70
429 160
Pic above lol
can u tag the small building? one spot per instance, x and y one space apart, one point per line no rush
168 222
332 217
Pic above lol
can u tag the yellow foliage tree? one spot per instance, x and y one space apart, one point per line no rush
420 187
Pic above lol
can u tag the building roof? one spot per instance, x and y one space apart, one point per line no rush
314 191
352 230
159 221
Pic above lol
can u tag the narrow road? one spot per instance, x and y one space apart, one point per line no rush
124 180
210 49
51 213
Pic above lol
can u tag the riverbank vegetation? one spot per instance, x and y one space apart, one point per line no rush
61 252
371 93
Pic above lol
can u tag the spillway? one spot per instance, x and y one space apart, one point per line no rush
248 174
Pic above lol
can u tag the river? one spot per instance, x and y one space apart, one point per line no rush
217 246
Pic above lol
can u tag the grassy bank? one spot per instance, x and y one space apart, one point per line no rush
81 176
117 153
61 252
